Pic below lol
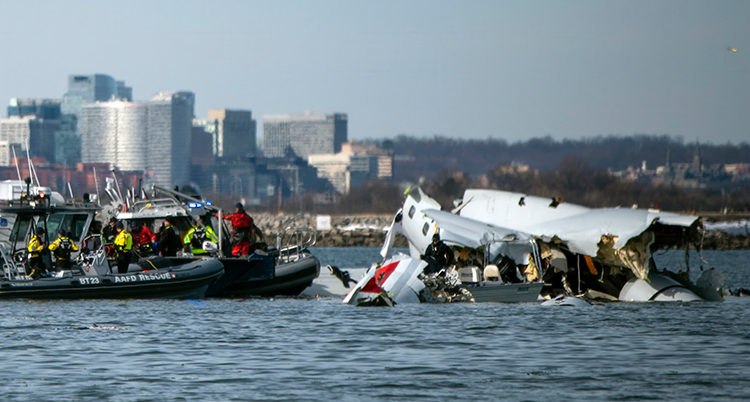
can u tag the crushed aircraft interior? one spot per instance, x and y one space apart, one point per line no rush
512 247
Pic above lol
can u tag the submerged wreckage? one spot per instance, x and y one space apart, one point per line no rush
512 247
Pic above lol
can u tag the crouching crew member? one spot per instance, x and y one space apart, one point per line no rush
142 239
438 255
36 246
242 231
123 246
61 249
197 235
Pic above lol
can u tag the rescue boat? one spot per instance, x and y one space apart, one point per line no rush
91 275
285 268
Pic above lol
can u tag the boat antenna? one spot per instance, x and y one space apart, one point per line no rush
117 184
15 160
128 198
67 181
33 169
70 190
28 160
96 183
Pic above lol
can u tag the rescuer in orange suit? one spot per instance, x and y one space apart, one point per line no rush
242 231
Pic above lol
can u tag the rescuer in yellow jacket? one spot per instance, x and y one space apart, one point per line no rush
61 249
197 235
36 267
123 246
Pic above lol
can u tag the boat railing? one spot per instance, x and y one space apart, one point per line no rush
293 241
13 269
94 261
145 205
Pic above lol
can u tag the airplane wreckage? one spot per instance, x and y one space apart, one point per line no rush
512 247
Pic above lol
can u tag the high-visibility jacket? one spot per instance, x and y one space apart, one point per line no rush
35 246
198 234
124 241
62 247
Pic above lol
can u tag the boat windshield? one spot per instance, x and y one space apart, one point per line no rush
20 228
73 223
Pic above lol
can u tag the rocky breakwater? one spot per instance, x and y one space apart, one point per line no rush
332 230
370 230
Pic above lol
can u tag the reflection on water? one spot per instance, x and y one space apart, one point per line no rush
295 349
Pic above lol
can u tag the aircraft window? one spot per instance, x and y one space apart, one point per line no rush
412 210
425 228
413 192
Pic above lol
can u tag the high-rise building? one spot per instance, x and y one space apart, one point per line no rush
39 108
6 153
29 132
114 132
303 135
235 133
343 171
124 92
87 89
381 160
83 89
170 120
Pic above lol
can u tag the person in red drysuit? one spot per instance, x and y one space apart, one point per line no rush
143 239
242 231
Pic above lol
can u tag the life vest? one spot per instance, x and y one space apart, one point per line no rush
62 247
124 241
199 234
35 246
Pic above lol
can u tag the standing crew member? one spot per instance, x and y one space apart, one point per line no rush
169 242
242 230
110 232
61 249
123 245
36 246
197 235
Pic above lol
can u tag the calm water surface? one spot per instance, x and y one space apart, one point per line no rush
312 350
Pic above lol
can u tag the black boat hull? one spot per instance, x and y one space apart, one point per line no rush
261 275
187 281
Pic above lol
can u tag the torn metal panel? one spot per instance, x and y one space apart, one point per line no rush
615 236
423 217
395 279
581 228
475 234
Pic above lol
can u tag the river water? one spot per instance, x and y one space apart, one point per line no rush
315 350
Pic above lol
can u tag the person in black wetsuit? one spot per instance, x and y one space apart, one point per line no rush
61 249
110 232
169 241
438 255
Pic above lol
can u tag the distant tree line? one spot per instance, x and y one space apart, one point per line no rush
424 157
576 170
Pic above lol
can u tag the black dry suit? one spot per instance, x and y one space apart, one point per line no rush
62 248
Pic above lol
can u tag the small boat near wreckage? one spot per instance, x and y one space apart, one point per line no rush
91 274
283 269
511 247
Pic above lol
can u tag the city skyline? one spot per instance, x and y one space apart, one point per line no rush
511 70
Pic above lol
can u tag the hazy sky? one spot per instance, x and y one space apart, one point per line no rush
472 69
